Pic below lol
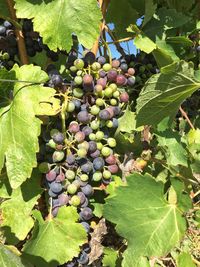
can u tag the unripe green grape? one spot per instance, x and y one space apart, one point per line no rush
96 66
79 73
106 174
99 135
75 201
113 102
106 151
97 176
95 125
116 94
70 107
142 69
92 137
82 152
44 167
84 145
109 124
71 189
78 80
73 69
111 142
107 67
58 156
99 145
94 110
70 175
113 86
51 143
84 177
79 64
78 92
108 92
99 102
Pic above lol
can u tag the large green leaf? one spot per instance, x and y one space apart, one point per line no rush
56 21
5 189
19 128
150 8
56 241
150 224
10 259
110 257
184 259
163 93
16 211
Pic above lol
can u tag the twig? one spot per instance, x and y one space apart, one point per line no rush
103 5
21 44
121 40
184 114
196 261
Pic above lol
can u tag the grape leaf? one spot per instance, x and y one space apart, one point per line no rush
150 8
5 189
16 211
127 122
57 240
19 128
184 259
117 11
110 257
163 93
150 224
67 17
143 43
10 259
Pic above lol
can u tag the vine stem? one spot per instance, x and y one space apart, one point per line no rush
184 114
103 5
18 32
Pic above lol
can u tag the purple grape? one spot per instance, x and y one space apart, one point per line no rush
77 103
102 74
55 211
115 122
116 110
87 130
51 193
101 60
85 203
63 199
92 146
87 190
56 187
89 57
86 226
57 79
51 176
113 168
70 159
102 82
84 107
121 80
104 115
86 214
79 136
82 197
106 181
87 79
124 67
74 127
83 116
83 258
112 75
124 97
115 63
58 138
87 167
60 177
111 159
55 203
131 81
95 154
98 163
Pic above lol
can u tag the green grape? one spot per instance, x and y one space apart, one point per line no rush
142 69
92 137
73 69
111 142
51 143
79 64
84 177
109 124
116 94
96 66
94 110
84 145
107 67
44 167
70 107
58 156
106 174
97 176
108 92
71 189
82 152
78 92
99 102
99 135
75 201
113 102
79 73
106 151
78 80
70 175
113 86
95 125
99 145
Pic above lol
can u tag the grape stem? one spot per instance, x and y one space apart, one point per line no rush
184 114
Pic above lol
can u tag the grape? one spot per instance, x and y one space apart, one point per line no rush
92 146
113 102
70 175
131 71
55 211
86 226
63 199
115 63
99 102
97 176
102 82
92 137
116 110
84 177
107 67
198 48
95 125
116 94
77 183
87 130
108 92
51 193
56 79
70 107
71 264
86 214
56 187
102 74
106 151
82 152
79 64
121 80
84 107
2 30
51 176
7 24
87 79
142 69
113 168
104 115
106 174
58 156
60 177
73 69
78 92
79 136
96 66
87 167
112 75
58 138
70 159
109 124
83 116
95 154
75 201
83 258
111 159
124 97
82 197
111 142
98 88
89 57
55 203
98 163
124 67
71 189
78 80
99 145
131 81
94 110
85 203
44 167
101 60
87 190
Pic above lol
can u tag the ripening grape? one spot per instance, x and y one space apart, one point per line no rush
51 176
72 189
70 175
56 187
98 163
87 190
86 214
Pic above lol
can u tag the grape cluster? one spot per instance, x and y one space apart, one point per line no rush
80 150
